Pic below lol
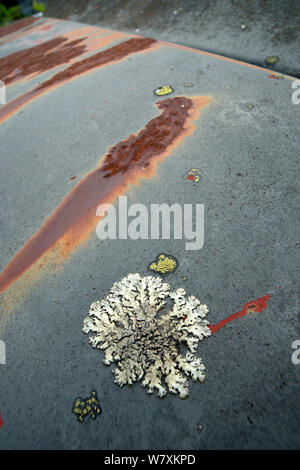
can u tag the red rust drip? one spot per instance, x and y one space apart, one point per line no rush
127 162
1 420
16 26
257 305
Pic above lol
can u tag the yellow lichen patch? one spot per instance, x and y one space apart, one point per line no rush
163 90
89 407
193 175
164 264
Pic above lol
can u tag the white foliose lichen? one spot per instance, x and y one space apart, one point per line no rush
143 341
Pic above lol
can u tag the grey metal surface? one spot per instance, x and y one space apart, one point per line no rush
250 189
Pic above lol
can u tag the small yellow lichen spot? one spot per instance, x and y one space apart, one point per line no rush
164 264
163 90
84 408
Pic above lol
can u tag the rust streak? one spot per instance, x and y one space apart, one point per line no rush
39 59
100 59
128 162
16 26
257 305
36 28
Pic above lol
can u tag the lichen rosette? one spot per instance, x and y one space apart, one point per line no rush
138 332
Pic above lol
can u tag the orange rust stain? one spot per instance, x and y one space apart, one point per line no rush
47 55
16 26
12 300
99 59
94 42
40 58
128 162
257 305
36 28
113 54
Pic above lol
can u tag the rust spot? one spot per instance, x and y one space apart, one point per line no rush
129 161
16 26
72 178
257 305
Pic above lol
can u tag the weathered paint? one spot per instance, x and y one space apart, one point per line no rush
128 162
257 306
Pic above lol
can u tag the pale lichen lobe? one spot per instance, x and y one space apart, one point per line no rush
143 341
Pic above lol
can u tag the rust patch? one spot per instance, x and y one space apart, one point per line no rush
36 28
39 59
16 26
128 162
100 59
